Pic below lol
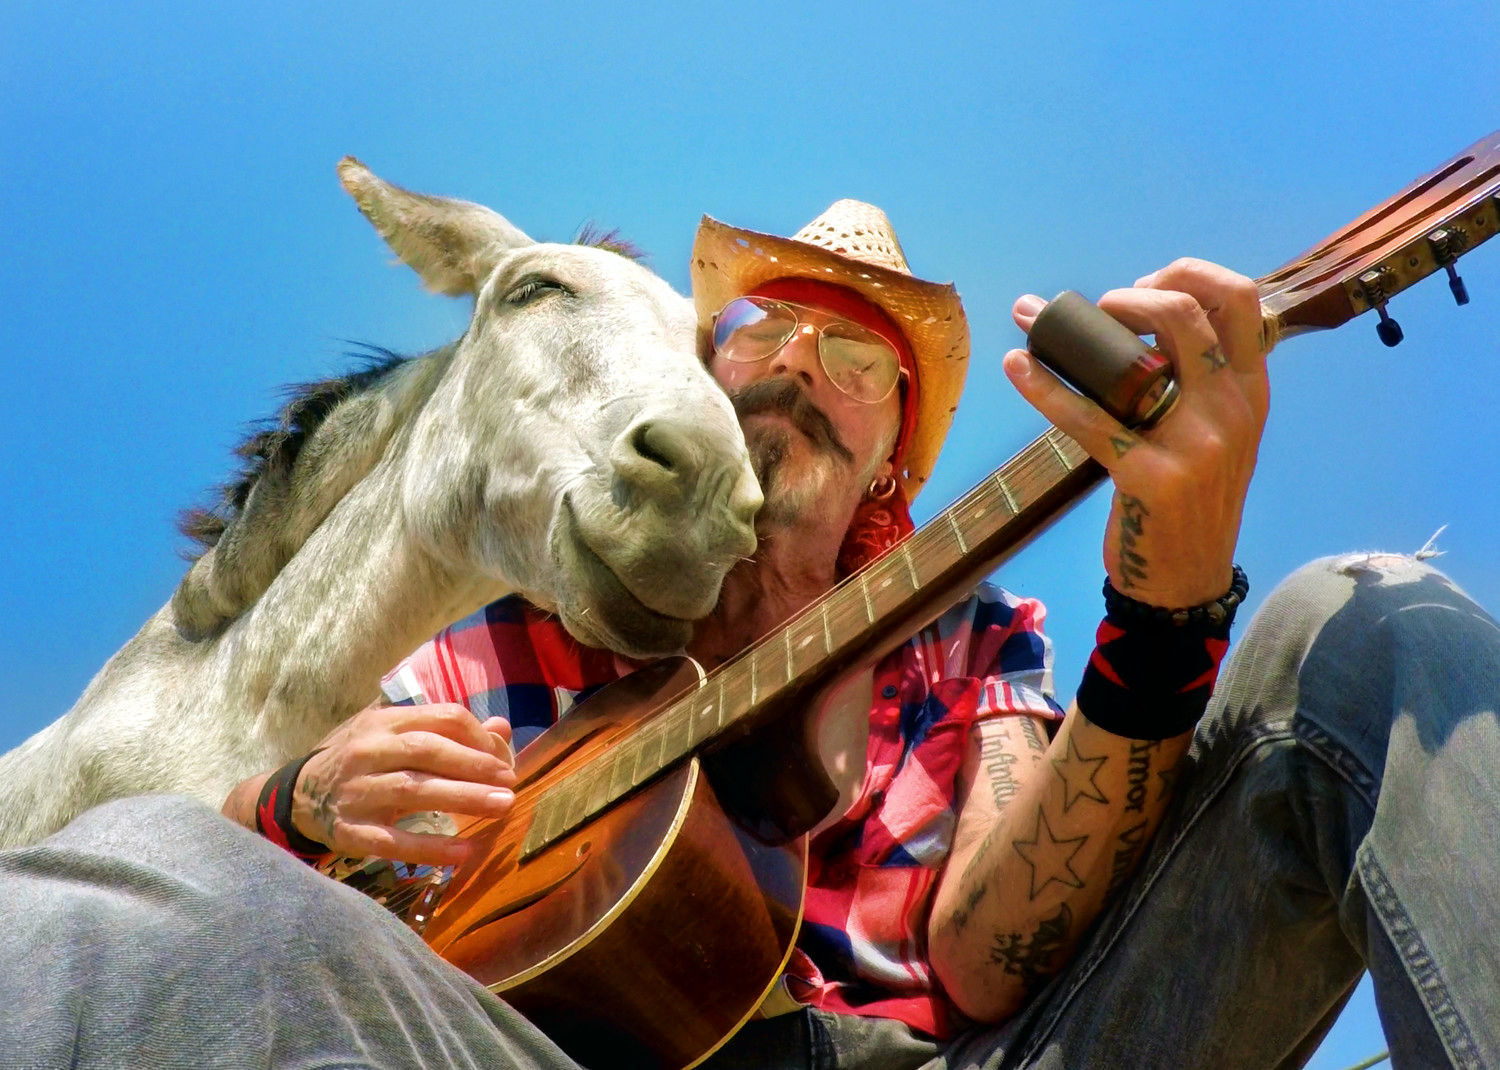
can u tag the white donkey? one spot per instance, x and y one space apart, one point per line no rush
569 446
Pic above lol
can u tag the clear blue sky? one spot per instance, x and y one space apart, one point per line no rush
176 245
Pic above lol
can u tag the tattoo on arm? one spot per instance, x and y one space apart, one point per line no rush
1138 774
1034 958
962 914
1033 733
1049 858
1131 841
997 761
1078 776
1132 524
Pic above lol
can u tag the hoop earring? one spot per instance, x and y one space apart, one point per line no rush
881 489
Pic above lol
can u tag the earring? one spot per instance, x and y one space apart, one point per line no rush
881 489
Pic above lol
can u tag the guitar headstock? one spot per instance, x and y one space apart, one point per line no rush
1421 230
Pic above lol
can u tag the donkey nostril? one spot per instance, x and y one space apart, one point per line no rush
650 442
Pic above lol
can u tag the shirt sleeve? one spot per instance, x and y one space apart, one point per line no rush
1007 651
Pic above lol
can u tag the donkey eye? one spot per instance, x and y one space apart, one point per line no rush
532 287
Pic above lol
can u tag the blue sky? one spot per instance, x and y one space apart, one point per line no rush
176 245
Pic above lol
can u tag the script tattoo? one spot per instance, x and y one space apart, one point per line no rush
1078 776
1215 358
1137 773
1131 842
997 766
1050 858
962 914
1033 733
1035 958
1132 516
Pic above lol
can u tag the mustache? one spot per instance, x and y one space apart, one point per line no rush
785 395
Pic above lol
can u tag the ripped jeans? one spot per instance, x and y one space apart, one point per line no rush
1340 808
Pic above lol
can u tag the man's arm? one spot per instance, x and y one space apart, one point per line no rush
1034 860
1046 834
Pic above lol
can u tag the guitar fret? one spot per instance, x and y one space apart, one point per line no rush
1010 499
911 567
827 631
754 675
958 534
864 589
621 767
1062 458
786 635
598 796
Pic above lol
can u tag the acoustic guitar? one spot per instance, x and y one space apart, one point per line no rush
645 892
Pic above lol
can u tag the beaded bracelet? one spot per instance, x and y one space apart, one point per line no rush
1153 670
273 813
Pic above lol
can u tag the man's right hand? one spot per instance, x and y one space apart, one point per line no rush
389 761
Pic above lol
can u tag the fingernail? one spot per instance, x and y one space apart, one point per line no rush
502 797
1029 305
1017 364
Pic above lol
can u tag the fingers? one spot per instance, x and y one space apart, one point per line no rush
1104 437
420 848
1229 300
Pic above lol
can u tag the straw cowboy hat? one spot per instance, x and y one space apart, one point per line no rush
853 245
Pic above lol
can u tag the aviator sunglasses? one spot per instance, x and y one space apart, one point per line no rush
858 361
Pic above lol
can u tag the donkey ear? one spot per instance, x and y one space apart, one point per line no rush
452 244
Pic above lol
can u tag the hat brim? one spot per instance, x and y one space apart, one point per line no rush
729 262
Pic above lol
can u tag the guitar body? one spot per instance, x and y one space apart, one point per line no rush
645 938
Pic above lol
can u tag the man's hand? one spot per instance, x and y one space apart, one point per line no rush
1179 487
389 761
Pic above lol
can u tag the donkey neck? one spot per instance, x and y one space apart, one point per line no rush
358 596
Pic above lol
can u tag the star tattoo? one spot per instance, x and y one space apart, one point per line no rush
1078 775
1050 859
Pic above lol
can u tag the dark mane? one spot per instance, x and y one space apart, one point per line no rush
272 447
595 236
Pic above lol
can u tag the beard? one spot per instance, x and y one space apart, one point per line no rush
793 492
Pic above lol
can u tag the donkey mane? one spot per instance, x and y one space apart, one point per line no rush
271 449
596 237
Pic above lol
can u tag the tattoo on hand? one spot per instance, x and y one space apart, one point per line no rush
1050 858
1122 444
1078 776
1132 525
1215 357
1035 958
320 799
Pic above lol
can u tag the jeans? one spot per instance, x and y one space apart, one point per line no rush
1338 810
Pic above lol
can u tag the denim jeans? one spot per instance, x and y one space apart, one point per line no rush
1338 809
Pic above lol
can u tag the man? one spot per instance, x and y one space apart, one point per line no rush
989 890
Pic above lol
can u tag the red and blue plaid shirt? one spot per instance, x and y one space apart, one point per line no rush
863 944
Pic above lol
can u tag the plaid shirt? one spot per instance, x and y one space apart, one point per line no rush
863 944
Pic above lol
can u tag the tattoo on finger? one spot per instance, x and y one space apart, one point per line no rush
1123 444
1215 357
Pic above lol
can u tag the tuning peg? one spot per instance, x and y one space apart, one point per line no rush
1388 329
1374 283
1447 245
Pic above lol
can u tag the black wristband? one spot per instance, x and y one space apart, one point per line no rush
273 813
1153 670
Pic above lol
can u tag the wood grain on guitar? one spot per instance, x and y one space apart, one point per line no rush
632 904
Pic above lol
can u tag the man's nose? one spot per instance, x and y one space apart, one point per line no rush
799 356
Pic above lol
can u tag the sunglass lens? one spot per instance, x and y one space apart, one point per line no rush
858 362
749 330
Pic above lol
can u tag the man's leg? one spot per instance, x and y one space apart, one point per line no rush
153 932
1340 807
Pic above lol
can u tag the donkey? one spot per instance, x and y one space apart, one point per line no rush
570 446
